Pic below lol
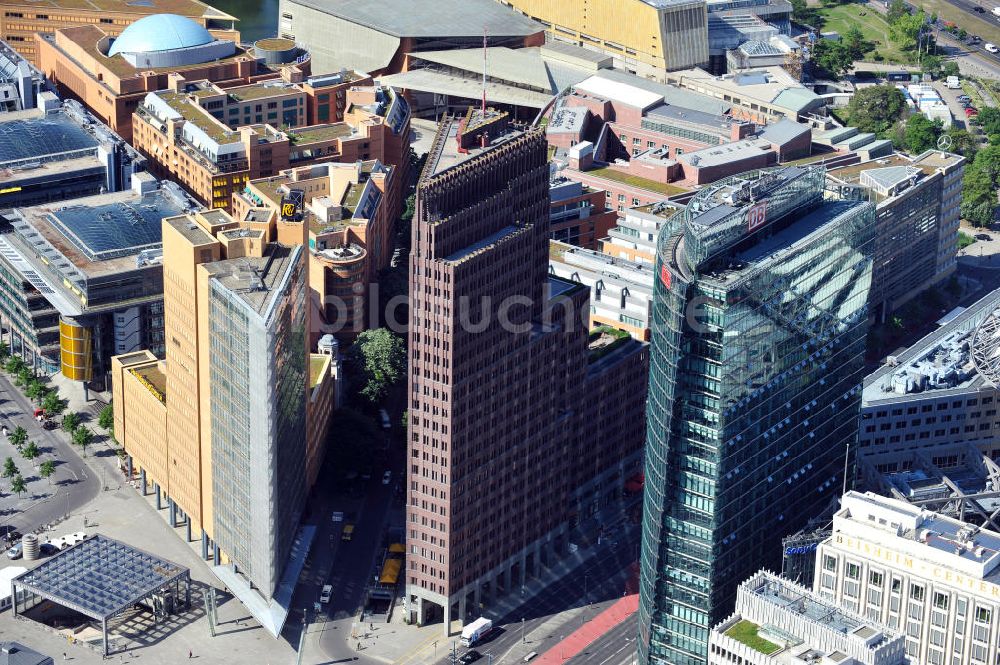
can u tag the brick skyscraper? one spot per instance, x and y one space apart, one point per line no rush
497 462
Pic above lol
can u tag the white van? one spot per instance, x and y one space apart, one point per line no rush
991 47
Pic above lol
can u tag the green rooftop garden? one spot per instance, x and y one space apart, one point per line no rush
637 181
603 340
745 632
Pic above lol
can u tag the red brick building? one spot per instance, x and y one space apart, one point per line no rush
505 451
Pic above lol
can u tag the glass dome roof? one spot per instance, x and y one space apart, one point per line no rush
160 32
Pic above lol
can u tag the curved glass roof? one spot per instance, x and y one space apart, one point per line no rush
160 32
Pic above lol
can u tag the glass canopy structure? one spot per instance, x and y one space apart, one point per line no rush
99 578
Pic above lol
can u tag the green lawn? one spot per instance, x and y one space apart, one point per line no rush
637 181
746 632
873 26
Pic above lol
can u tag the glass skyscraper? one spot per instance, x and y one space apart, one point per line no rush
257 360
758 333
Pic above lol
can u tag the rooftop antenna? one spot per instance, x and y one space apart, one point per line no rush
483 110
484 73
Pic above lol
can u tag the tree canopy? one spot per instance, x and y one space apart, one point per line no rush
833 58
921 133
379 360
876 108
980 186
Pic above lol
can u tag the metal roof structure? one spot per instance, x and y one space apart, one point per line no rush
986 347
783 131
100 577
427 80
37 137
115 229
430 18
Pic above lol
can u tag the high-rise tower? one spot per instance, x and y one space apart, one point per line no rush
759 322
501 378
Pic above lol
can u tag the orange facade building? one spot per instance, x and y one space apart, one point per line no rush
185 139
84 64
19 20
349 212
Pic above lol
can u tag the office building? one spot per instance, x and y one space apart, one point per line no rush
931 577
227 427
758 337
579 215
939 391
19 22
645 37
917 214
112 75
500 395
643 141
184 138
59 151
349 210
82 280
620 272
377 38
20 81
621 291
778 622
759 95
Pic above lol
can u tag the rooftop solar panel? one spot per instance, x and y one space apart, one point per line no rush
39 137
117 229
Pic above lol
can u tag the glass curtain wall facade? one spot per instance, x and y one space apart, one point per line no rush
756 364
258 374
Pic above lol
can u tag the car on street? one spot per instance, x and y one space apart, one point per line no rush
383 417
964 98
991 47
971 110
338 516
387 477
470 657
9 534
325 593
983 236
979 9
347 533
15 552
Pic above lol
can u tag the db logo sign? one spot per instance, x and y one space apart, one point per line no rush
665 276
757 216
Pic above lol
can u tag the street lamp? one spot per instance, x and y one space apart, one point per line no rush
522 630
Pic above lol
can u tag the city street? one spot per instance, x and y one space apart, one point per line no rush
346 565
593 585
73 484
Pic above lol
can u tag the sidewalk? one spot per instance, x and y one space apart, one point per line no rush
591 631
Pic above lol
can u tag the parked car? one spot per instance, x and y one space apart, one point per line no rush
470 657
15 552
984 236
979 9
383 417
347 533
338 516
387 477
971 110
964 98
47 549
325 593
992 48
